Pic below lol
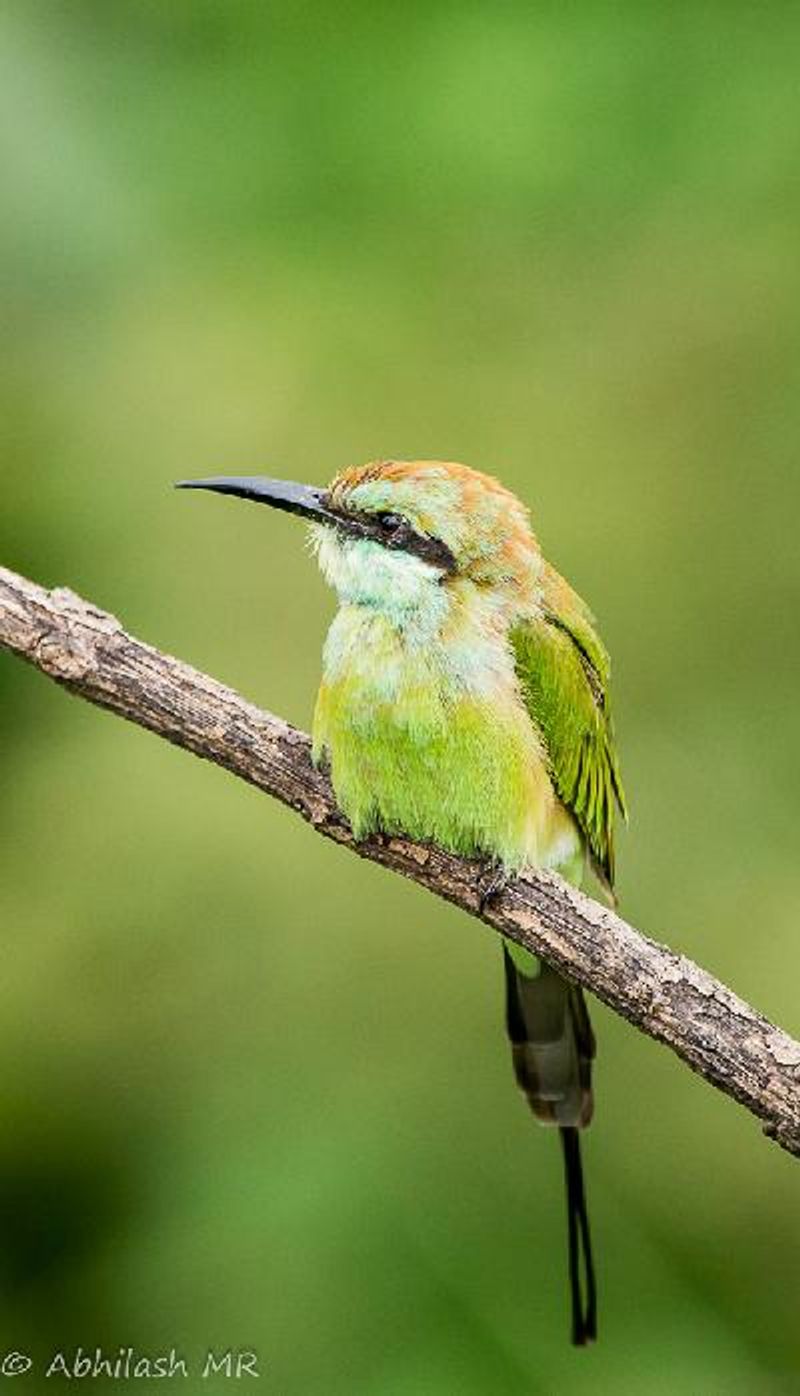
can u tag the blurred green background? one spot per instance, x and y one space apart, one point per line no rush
559 242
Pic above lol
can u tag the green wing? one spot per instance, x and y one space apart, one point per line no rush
563 669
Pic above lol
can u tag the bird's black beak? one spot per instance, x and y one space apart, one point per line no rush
307 500
314 504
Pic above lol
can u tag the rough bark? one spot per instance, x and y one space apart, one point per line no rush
664 994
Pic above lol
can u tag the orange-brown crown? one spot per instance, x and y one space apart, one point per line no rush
483 524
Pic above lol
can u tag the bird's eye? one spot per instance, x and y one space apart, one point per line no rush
392 522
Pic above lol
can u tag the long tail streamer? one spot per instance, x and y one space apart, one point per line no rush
582 1285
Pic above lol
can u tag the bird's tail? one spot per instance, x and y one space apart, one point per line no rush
552 1047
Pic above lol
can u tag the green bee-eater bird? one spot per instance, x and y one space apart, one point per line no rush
464 700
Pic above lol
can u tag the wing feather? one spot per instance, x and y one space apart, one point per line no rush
564 672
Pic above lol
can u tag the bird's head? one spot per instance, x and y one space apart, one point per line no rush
391 532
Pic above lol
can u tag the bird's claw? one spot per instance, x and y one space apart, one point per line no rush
491 883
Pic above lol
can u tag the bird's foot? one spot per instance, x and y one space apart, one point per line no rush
491 882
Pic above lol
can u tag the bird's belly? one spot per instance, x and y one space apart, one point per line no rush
413 752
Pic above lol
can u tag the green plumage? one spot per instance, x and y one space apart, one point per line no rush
564 670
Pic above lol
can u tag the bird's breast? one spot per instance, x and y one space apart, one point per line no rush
433 739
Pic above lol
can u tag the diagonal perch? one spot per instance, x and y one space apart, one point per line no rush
663 994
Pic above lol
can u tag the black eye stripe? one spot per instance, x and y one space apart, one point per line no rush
393 531
399 532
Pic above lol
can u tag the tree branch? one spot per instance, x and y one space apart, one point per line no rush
663 994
